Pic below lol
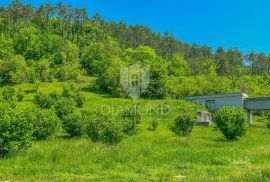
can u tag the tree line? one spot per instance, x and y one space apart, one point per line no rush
61 42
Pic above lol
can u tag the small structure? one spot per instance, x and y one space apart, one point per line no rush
213 102
204 118
255 104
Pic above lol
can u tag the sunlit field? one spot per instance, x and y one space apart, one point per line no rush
147 156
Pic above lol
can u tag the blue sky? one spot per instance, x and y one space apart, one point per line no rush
232 23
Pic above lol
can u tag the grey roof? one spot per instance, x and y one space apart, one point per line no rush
216 96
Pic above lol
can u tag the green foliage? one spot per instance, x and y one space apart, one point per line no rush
35 85
97 56
111 132
104 127
178 66
15 131
19 70
130 119
64 107
45 123
183 124
70 91
8 94
231 121
109 81
20 95
6 47
43 100
94 122
73 124
154 125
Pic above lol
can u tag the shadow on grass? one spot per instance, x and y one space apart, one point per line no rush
96 90
220 139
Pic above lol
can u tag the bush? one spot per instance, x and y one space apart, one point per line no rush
73 124
94 123
43 100
111 132
64 107
15 131
133 114
231 121
268 124
184 124
55 96
45 123
35 86
8 94
20 95
103 127
154 125
70 91
130 119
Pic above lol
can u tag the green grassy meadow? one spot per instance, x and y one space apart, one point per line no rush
148 156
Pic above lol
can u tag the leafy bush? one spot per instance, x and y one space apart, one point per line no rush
133 114
15 131
154 125
111 132
8 94
268 124
184 124
35 86
73 124
43 100
104 127
45 123
94 123
20 95
70 91
130 119
64 107
55 96
231 121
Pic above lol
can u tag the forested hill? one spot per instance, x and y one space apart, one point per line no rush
59 42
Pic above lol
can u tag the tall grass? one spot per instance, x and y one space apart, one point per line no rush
148 156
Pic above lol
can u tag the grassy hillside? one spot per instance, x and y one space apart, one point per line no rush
148 156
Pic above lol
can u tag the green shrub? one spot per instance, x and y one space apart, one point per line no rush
184 124
133 114
70 91
64 107
20 95
79 99
231 121
111 132
45 123
8 94
93 124
73 124
104 127
154 125
268 124
55 96
43 100
35 86
130 119
15 131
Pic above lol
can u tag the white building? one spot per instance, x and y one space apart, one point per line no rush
213 102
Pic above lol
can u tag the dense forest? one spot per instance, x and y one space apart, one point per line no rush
60 42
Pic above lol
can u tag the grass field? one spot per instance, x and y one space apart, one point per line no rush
148 156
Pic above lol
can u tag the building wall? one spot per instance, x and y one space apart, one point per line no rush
254 104
236 100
